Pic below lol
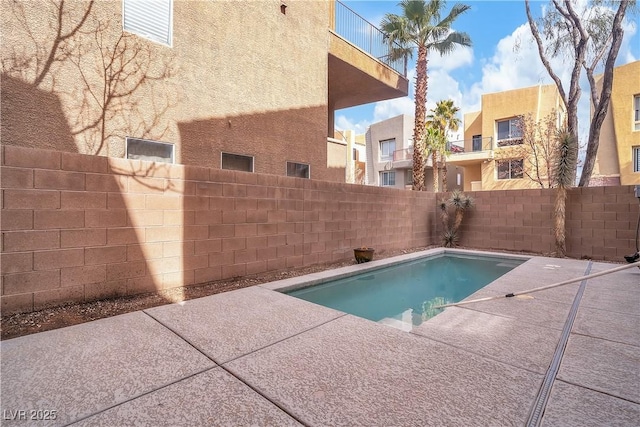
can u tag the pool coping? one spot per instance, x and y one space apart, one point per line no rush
308 280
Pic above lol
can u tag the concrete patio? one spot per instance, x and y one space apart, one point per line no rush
258 357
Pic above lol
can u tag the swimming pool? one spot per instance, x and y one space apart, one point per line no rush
403 295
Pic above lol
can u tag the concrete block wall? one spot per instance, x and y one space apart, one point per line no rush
78 227
600 222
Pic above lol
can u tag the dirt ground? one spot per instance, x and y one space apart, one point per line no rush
17 325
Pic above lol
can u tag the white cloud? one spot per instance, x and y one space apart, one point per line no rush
393 107
460 57
440 86
344 123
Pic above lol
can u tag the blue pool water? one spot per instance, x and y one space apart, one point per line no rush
405 293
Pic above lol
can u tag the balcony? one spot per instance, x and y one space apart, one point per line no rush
403 159
360 70
481 150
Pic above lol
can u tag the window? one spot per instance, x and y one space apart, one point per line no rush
509 132
387 147
388 179
237 162
150 19
510 169
152 151
636 112
476 142
298 170
636 159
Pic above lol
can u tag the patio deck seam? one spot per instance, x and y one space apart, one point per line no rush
603 339
486 356
221 365
598 391
131 399
181 337
524 321
282 339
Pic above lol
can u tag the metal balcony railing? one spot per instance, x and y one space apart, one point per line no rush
477 144
357 30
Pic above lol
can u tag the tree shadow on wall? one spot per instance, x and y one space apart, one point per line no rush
72 86
111 84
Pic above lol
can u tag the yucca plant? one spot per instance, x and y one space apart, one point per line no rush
563 176
460 203
444 214
449 238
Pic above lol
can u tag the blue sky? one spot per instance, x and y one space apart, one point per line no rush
503 57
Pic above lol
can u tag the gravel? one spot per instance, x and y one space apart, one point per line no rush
17 325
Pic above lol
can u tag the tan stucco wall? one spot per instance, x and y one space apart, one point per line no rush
471 173
472 126
617 136
536 100
224 87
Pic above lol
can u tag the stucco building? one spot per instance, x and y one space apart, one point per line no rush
492 157
390 156
250 86
618 160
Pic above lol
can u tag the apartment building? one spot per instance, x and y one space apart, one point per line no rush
492 158
250 86
389 152
618 160
390 156
356 160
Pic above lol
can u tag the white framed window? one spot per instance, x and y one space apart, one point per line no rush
387 178
510 169
298 170
237 162
151 19
636 159
636 112
387 147
149 150
509 132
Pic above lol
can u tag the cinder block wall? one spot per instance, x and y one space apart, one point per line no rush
600 222
78 227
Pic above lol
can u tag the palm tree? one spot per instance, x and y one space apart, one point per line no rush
444 118
434 143
420 27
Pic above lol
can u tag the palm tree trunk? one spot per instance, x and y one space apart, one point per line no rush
444 173
434 162
420 116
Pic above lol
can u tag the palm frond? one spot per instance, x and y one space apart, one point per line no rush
457 10
452 41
